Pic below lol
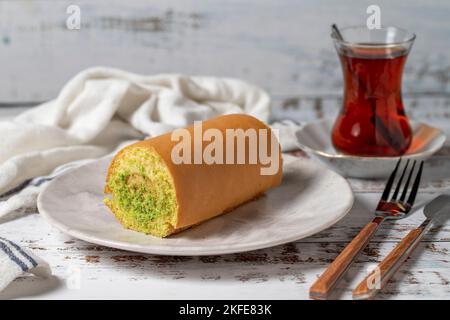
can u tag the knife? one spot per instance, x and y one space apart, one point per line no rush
436 212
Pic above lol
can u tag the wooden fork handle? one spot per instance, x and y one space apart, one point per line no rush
326 282
378 278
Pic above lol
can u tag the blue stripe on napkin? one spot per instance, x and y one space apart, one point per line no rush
13 257
37 182
23 253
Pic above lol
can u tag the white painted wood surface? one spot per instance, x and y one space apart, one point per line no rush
284 48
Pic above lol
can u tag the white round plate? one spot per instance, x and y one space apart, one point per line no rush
311 198
315 139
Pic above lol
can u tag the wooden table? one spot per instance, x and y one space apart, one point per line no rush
83 270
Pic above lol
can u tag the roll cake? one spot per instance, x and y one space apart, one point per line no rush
153 193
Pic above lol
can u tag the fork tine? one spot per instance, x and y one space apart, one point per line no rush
405 188
415 187
399 183
390 182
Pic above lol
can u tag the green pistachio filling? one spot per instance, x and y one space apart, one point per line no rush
143 194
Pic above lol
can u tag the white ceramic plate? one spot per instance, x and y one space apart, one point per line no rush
315 139
310 199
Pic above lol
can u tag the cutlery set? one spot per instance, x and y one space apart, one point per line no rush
390 207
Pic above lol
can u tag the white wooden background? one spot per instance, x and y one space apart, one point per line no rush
283 46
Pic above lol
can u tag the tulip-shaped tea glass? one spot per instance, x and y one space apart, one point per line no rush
372 121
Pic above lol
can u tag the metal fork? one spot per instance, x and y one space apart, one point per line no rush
387 208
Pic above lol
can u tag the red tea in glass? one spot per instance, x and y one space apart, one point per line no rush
372 121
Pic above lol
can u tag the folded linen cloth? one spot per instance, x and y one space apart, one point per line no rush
15 261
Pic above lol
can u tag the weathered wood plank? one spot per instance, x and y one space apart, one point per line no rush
288 269
432 108
284 48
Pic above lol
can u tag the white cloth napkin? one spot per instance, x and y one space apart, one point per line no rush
15 261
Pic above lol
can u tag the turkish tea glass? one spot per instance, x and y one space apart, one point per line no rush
372 121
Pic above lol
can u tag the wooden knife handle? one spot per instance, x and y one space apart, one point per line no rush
378 278
322 287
